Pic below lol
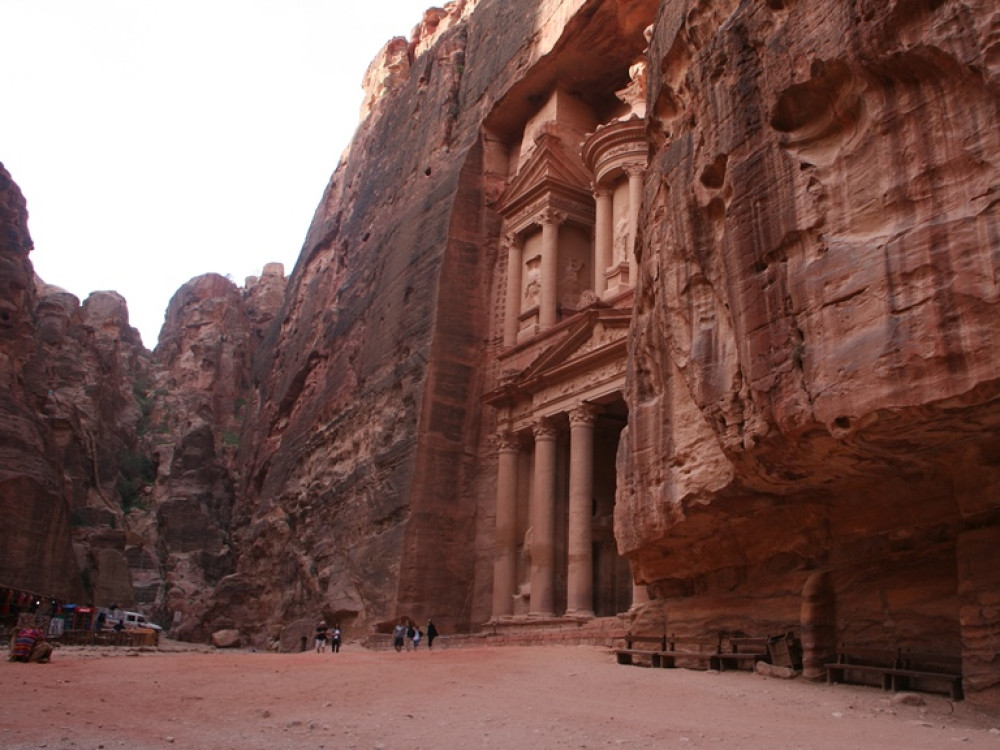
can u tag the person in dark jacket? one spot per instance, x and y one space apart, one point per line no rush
335 639
432 633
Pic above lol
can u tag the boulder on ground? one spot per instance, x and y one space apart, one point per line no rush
226 639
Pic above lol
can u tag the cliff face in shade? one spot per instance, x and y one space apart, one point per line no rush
118 466
68 427
200 390
36 516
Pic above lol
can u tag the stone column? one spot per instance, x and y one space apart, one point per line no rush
549 271
818 619
604 238
580 570
635 176
505 542
640 595
542 512
512 311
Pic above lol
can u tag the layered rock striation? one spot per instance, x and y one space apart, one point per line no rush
813 386
772 324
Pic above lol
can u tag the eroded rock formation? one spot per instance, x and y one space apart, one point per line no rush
813 383
119 465
35 510
763 298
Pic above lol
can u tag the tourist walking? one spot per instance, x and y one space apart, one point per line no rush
417 635
321 634
335 639
432 633
398 635
410 632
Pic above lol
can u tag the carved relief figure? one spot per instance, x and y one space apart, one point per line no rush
573 282
621 241
532 285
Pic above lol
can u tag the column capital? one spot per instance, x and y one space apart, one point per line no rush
544 428
551 216
513 240
507 440
584 414
602 191
635 170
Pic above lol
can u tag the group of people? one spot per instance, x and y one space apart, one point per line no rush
408 636
324 634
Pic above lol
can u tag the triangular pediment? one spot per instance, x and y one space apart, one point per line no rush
596 337
552 168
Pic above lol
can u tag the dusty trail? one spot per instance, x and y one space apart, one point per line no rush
540 697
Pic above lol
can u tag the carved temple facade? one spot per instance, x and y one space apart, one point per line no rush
570 215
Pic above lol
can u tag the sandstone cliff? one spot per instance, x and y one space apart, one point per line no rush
814 386
73 465
35 535
806 422
119 465
200 393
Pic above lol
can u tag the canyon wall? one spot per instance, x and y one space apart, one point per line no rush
117 478
814 383
35 534
810 408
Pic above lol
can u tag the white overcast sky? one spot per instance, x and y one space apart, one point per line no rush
158 140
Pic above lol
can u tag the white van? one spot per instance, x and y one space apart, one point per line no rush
132 620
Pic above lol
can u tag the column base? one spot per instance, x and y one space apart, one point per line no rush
582 614
618 280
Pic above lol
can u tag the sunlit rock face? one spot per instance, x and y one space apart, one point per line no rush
814 383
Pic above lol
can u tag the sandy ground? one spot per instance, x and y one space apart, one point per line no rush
511 697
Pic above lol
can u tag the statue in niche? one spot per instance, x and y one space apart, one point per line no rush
531 292
621 241
573 283
522 599
532 287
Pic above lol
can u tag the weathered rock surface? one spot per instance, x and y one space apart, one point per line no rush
814 382
35 534
119 466
369 488
812 399
202 384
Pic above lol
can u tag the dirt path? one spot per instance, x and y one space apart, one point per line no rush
541 697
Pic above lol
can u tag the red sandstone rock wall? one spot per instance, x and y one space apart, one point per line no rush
35 515
369 489
812 439
815 384
117 478
69 428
